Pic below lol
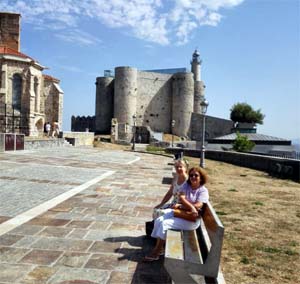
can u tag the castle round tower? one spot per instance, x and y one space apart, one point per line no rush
125 94
104 104
183 102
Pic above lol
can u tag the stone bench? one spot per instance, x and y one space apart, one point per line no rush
194 256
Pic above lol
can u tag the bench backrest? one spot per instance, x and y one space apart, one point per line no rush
212 231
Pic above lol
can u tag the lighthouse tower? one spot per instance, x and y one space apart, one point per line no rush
198 84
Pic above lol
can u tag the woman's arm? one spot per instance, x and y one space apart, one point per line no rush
166 198
198 205
187 204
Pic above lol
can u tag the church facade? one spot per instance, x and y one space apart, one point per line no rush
28 98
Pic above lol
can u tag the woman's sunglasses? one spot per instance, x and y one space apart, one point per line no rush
194 175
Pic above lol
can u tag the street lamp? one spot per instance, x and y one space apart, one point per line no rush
173 125
204 104
134 129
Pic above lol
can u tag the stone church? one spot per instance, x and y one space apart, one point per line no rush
28 98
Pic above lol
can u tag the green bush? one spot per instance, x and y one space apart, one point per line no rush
242 112
242 144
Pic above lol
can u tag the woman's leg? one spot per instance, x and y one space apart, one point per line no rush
159 246
156 252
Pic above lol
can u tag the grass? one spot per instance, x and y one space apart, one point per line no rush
260 216
154 149
232 190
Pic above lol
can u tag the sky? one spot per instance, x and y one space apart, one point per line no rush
250 49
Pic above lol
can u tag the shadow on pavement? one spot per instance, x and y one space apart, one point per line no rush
134 250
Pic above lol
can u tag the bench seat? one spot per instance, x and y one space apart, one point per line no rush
194 256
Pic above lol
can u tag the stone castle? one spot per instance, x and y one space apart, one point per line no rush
155 98
152 101
28 98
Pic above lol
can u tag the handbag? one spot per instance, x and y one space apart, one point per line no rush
186 215
149 228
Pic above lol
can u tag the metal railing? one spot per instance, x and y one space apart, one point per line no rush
12 120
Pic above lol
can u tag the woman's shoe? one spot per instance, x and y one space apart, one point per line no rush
149 258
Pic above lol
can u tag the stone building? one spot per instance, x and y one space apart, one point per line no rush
156 98
28 98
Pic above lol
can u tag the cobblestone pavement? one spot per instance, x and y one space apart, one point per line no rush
95 231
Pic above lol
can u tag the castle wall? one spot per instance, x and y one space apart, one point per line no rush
154 101
83 123
214 126
183 102
104 104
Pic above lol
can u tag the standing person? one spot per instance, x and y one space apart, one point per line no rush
192 196
55 129
48 128
179 179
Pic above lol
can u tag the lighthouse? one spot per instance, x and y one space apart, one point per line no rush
198 83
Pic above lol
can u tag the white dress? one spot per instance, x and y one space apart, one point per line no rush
168 221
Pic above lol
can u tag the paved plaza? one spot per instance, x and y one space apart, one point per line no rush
77 215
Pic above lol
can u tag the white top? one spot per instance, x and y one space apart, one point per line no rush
198 195
176 190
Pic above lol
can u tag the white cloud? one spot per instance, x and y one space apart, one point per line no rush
77 36
154 21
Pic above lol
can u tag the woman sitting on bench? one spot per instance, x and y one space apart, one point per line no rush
192 196
174 190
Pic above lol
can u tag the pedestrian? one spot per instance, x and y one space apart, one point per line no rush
48 128
55 129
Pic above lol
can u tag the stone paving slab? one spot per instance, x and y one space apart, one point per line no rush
95 236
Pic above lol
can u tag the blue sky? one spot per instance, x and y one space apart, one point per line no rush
250 49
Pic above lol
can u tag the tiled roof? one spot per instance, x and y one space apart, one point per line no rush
10 51
50 78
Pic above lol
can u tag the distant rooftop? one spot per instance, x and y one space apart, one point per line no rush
255 137
168 71
111 73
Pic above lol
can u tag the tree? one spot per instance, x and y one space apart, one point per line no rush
242 144
242 112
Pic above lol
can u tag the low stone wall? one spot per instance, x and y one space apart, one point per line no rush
80 138
49 143
278 167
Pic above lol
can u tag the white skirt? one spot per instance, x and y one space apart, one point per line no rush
168 221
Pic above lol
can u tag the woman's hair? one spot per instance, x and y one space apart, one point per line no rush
202 173
182 162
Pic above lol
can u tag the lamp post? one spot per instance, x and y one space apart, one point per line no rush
134 128
173 125
204 104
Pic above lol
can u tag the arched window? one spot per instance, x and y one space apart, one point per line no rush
16 91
